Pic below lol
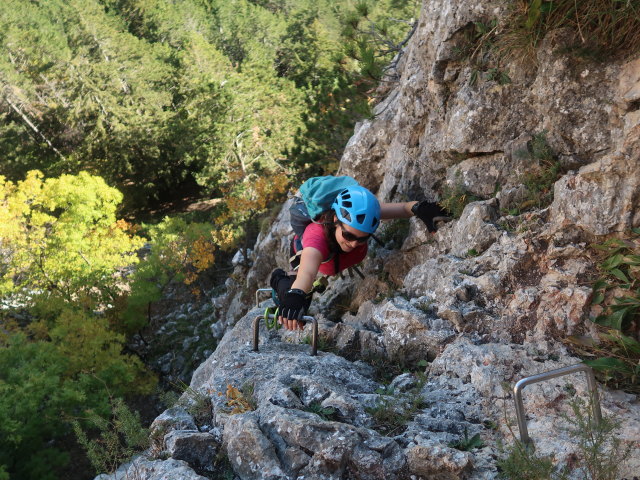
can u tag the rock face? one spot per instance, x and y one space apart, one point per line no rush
415 358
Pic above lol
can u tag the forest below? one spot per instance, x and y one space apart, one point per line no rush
111 109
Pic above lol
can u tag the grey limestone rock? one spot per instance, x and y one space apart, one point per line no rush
409 334
149 469
438 462
475 231
251 453
196 448
174 418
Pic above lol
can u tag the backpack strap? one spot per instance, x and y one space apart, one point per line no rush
295 251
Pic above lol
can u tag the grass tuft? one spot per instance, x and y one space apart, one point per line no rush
602 28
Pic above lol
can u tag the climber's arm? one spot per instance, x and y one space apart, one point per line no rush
426 211
310 261
396 210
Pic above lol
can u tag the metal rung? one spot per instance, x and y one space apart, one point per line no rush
314 334
259 291
517 391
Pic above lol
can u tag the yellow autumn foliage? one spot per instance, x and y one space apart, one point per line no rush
61 236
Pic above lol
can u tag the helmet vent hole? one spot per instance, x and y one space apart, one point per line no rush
360 218
345 214
375 223
347 204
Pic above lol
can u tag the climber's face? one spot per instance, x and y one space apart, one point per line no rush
348 237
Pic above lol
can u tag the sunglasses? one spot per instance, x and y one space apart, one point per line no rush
350 237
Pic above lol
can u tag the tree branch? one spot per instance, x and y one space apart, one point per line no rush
31 125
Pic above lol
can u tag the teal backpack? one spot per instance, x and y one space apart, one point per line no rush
317 196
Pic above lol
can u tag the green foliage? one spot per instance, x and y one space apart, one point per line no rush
149 94
615 355
33 392
120 437
93 352
426 307
223 466
496 75
326 413
152 94
392 413
386 369
521 463
455 198
388 418
42 384
467 444
490 425
618 360
324 343
198 405
618 289
372 37
95 86
64 263
600 452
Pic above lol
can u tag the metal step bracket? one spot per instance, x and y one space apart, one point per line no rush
261 290
519 387
305 319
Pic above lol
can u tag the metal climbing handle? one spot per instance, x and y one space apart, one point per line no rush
517 392
261 290
305 319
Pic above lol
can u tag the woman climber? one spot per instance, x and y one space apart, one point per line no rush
335 241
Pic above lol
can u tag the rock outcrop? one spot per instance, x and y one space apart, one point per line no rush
416 356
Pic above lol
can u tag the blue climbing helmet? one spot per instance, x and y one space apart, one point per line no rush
357 207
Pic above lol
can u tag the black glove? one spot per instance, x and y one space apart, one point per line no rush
280 283
293 304
428 212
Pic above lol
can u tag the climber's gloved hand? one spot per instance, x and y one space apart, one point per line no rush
430 213
293 306
278 278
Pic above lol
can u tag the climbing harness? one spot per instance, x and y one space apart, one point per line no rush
352 269
320 285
